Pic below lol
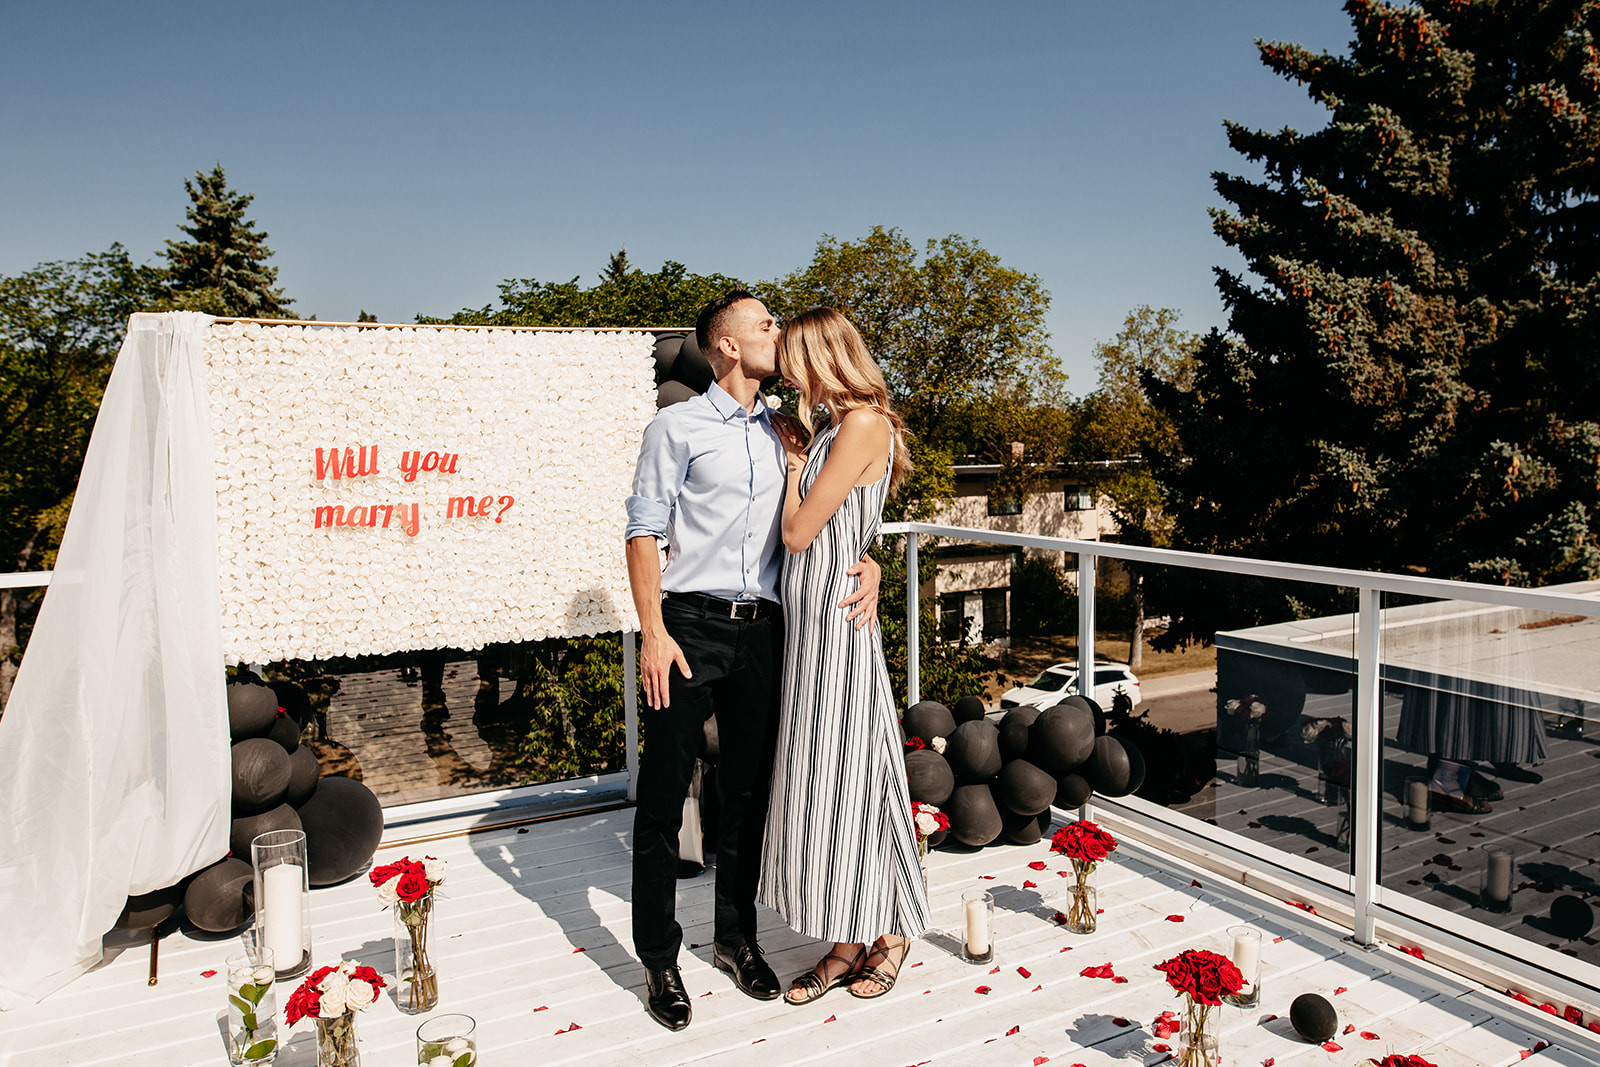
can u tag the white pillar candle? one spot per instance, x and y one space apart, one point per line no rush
1247 956
1498 885
1416 801
285 932
977 927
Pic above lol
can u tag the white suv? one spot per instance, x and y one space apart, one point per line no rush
1060 681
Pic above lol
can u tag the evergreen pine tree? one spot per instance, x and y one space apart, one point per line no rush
222 268
1414 377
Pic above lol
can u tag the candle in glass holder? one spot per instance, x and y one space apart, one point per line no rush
1497 878
977 907
1417 803
1246 955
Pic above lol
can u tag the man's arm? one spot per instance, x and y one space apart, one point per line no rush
659 651
865 598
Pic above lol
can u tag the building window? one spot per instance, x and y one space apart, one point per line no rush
995 620
1077 498
952 618
1010 504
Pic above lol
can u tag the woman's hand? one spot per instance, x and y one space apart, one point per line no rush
793 436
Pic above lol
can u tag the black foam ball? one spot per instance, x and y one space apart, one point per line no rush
968 708
246 828
929 777
1061 738
252 709
665 352
1571 916
286 732
691 366
1313 1017
928 719
220 897
1072 790
974 816
147 909
974 751
303 772
1108 768
937 838
293 700
343 823
1014 727
1136 765
1024 788
1019 829
671 393
261 772
1078 700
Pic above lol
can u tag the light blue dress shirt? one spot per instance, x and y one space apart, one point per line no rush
710 483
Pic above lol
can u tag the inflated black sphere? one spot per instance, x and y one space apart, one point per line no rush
303 772
665 352
1108 768
1024 788
261 772
929 777
1078 700
343 823
937 838
928 719
671 393
1571 916
1014 726
974 817
219 898
1136 765
286 732
246 828
252 709
293 700
1072 790
1061 738
1313 1017
974 751
1019 829
148 909
691 367
968 708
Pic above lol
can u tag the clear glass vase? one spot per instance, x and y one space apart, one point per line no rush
922 861
447 1041
1197 1045
252 1009
416 987
1248 770
336 1041
1081 906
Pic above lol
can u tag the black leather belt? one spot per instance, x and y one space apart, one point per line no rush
743 610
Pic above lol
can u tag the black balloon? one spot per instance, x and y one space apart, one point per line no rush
218 899
343 823
1571 916
1014 726
671 393
967 709
286 732
147 909
1313 1017
1078 700
252 709
1108 768
293 700
691 367
303 772
1072 790
974 817
929 777
665 353
1061 738
261 773
1019 829
1136 765
937 838
1024 788
928 719
246 828
974 751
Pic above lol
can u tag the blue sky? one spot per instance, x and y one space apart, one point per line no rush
406 157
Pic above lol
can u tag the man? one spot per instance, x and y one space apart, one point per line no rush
710 483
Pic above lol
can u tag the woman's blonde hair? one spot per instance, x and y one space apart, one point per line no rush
823 354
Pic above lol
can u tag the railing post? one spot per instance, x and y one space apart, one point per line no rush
1086 563
1366 809
913 623
630 711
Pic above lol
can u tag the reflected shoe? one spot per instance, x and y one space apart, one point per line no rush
1517 773
665 999
1482 788
1463 805
750 972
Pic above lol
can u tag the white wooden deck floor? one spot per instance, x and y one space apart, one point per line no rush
533 942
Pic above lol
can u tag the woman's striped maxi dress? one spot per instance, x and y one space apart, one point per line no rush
839 861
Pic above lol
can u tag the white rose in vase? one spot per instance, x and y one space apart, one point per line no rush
435 869
360 994
389 892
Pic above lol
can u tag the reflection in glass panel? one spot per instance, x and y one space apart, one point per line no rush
1489 765
417 726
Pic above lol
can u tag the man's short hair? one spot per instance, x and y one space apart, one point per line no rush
709 328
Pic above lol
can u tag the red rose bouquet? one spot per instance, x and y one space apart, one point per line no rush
927 820
1204 978
408 885
1400 1060
332 996
1085 844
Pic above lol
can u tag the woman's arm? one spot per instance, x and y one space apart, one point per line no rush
861 444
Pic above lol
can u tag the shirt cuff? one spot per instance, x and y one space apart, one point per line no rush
646 518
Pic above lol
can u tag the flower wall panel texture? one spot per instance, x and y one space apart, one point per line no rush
403 488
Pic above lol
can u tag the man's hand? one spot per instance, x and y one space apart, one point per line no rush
655 667
865 598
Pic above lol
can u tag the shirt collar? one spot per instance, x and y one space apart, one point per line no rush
730 409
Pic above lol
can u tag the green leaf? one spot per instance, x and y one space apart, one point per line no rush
249 1021
260 1050
236 1002
464 1060
253 993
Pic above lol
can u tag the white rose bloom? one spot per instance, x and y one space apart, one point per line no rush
1257 709
331 1005
389 892
926 824
435 869
939 745
359 994
1232 705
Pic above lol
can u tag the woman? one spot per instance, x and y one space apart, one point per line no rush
840 858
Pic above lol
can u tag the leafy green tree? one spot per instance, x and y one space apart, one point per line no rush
1414 378
624 296
222 268
61 325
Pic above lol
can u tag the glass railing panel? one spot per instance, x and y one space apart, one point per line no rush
1490 753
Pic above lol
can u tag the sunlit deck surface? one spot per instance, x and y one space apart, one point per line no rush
533 942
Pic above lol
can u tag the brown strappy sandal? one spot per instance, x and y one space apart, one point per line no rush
880 972
814 985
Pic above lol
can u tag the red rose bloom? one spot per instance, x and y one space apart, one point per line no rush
413 886
1205 977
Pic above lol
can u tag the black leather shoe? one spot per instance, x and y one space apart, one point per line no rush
750 972
666 1001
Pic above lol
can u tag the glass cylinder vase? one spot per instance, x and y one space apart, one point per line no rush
1081 906
283 899
1246 956
1334 770
336 1041
252 1008
1248 769
416 987
922 861
447 1041
1197 1048
977 911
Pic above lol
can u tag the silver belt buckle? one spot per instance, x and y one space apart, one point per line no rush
736 613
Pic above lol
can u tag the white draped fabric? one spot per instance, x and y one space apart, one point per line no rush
114 767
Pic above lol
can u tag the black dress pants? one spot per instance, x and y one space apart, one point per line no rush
736 666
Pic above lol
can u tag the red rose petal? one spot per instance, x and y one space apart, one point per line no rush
574 1026
1276 940
1037 865
986 877
1350 1028
1269 1018
1269 1061
1540 1046
1160 1048
208 974
983 990
1341 989
1196 884
830 1019
1548 1008
1066 948
1013 1030
1412 950
580 948
1030 885
1174 918
1332 1046
758 1041
1040 1059
707 993
994 970
1024 972
1118 979
1036 989
542 1007
1118 1020
522 830
1368 1035
1573 1015
1061 920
